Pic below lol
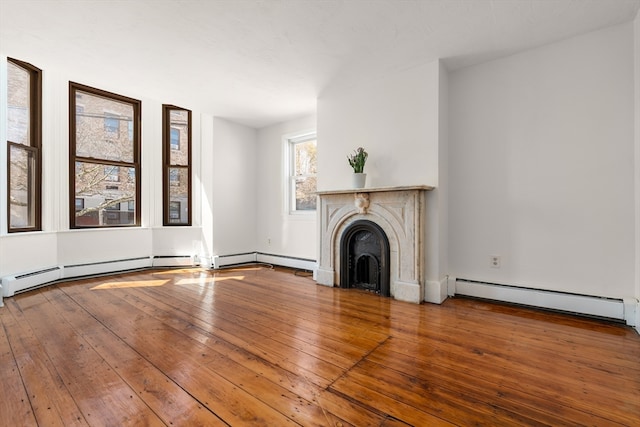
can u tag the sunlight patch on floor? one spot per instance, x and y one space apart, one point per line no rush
204 280
178 271
130 284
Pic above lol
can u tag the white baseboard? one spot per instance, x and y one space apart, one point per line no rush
582 304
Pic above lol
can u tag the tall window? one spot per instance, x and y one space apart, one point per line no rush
176 156
106 171
302 173
24 132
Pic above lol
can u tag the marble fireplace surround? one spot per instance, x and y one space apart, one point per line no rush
399 211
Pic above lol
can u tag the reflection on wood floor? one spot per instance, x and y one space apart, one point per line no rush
258 346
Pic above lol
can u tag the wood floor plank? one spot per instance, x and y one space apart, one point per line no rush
15 408
239 334
553 378
258 346
183 360
165 398
281 372
52 403
101 395
545 409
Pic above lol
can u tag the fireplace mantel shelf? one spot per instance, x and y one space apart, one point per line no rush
376 189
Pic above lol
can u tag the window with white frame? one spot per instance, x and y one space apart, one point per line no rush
301 174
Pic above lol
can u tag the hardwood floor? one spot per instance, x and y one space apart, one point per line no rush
255 346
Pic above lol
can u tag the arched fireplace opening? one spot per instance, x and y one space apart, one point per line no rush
364 258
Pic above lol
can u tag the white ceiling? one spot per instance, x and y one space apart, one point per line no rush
259 62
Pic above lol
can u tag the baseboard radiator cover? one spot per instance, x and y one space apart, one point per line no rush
220 261
173 260
602 307
23 282
287 261
102 267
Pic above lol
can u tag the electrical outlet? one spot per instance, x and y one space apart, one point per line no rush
268 240
494 261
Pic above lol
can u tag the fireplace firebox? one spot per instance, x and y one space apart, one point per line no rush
364 252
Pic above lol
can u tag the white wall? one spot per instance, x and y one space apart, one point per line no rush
541 167
278 232
233 197
395 119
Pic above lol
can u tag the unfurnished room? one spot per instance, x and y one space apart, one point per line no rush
319 213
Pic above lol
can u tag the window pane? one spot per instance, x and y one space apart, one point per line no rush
179 137
305 197
18 95
22 173
178 195
106 191
305 158
104 128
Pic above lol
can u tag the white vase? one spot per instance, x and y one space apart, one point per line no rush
359 180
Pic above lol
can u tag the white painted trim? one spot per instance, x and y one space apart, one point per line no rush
436 291
572 303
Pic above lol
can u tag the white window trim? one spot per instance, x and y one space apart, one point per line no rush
288 166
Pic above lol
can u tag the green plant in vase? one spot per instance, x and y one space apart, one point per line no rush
358 159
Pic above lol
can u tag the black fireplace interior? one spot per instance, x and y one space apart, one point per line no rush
364 258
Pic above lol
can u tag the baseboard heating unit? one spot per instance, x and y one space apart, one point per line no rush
173 260
12 285
93 268
220 261
611 308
